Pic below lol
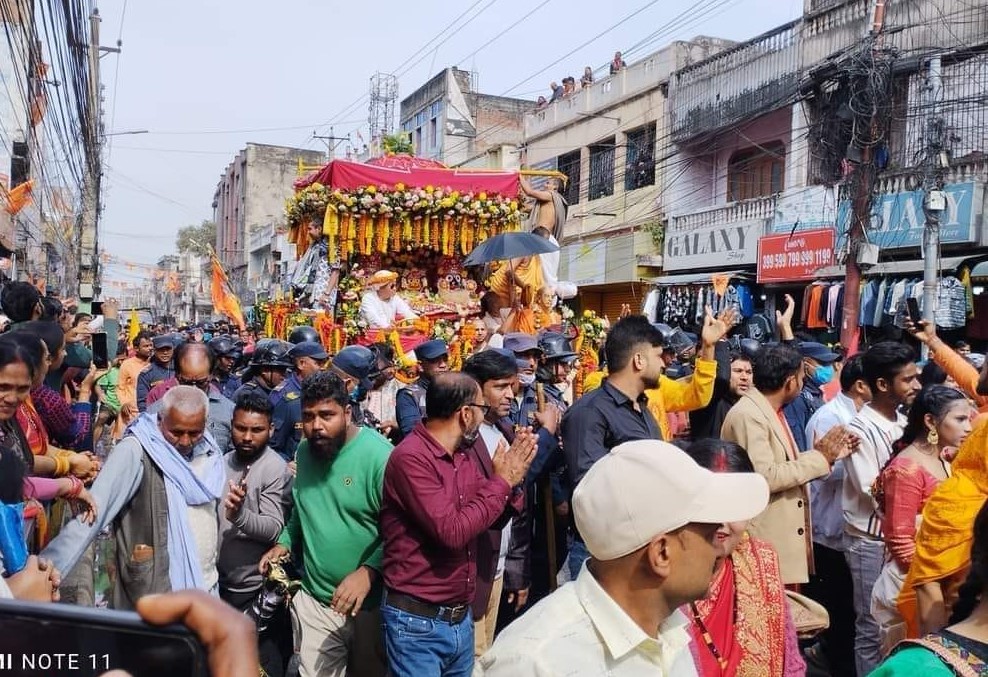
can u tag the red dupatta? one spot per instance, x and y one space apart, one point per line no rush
743 616
33 427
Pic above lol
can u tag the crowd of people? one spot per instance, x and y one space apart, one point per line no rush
706 506
570 85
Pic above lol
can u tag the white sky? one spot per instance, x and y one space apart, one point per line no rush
207 77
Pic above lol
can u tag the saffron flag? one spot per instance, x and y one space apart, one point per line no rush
134 327
19 197
224 300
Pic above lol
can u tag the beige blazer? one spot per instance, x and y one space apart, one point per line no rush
785 523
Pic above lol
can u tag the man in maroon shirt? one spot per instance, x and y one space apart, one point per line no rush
436 504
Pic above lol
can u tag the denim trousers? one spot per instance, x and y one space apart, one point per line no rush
578 554
426 647
865 558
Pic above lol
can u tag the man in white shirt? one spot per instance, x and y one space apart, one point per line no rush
831 583
648 515
894 380
381 307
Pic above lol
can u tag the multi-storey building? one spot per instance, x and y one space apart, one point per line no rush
610 139
248 209
449 121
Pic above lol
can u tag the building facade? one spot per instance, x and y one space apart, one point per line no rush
610 140
248 209
449 121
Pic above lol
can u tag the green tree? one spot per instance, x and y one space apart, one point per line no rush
397 144
196 239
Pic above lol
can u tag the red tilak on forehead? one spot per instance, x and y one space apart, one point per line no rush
720 461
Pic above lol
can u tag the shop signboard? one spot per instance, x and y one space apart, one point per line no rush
692 244
796 257
587 262
898 219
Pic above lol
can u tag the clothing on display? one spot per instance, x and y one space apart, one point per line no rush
685 305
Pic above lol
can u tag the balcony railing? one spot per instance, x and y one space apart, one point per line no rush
637 78
732 213
737 84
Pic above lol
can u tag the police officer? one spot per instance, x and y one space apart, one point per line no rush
308 357
159 368
304 333
433 358
227 352
269 373
357 366
557 363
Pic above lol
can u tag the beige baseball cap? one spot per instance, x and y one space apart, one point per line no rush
647 487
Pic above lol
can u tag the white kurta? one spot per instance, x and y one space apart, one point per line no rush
381 314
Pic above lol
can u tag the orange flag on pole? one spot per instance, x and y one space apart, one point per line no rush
224 300
19 197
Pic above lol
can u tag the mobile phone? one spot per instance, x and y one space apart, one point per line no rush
96 308
912 309
101 360
62 639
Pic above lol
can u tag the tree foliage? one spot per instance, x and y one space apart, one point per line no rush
196 239
397 144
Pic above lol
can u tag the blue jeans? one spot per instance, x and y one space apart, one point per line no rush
425 647
865 558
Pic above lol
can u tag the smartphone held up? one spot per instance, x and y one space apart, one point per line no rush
59 639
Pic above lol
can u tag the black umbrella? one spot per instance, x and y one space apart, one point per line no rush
509 246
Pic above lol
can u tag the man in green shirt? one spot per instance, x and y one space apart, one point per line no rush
337 495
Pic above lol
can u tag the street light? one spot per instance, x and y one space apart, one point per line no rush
133 131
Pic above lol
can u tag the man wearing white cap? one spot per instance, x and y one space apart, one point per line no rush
381 307
649 515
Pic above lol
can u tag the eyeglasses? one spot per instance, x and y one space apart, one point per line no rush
201 383
483 407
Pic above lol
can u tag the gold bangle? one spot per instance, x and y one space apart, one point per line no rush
62 466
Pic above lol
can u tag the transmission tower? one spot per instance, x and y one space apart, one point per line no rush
383 99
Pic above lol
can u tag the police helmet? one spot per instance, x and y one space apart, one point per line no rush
271 353
304 333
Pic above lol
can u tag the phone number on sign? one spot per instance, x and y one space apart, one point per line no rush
817 257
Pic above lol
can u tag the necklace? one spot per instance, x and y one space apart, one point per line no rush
707 638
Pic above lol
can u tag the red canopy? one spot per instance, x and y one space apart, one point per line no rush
413 173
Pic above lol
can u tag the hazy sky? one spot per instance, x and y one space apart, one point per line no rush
207 77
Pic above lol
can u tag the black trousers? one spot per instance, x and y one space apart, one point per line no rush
831 586
274 645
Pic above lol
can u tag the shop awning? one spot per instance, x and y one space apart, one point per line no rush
696 278
948 264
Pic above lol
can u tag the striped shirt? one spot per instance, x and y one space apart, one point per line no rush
877 435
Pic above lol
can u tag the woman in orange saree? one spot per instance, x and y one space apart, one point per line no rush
943 542
743 627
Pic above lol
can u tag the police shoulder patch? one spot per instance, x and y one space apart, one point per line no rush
292 395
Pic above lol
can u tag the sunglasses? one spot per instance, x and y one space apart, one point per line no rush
200 383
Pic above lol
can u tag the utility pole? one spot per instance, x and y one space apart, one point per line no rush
935 200
861 211
332 142
87 238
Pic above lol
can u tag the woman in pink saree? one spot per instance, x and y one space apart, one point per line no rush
743 627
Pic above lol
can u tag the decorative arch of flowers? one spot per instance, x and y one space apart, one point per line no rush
377 219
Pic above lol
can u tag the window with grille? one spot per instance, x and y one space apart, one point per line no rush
639 167
569 164
602 169
756 172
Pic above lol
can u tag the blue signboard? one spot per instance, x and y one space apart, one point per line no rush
897 219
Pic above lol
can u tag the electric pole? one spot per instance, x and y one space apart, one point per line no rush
935 200
331 143
86 237
864 182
